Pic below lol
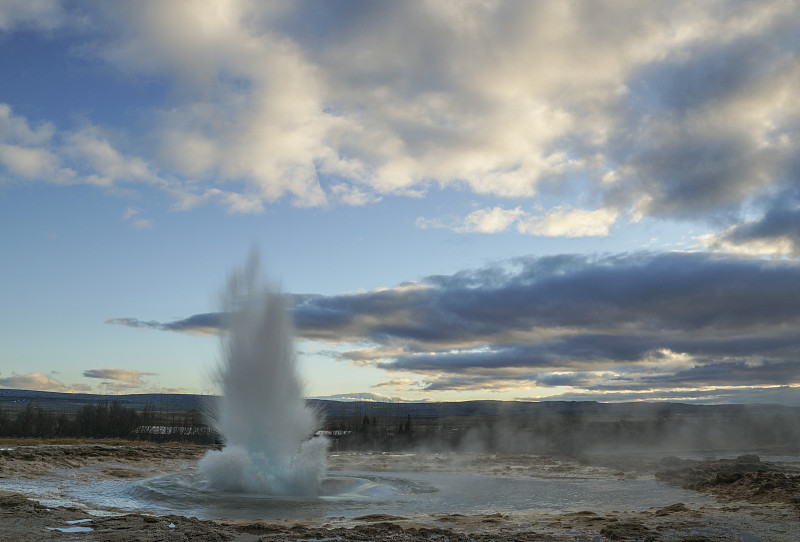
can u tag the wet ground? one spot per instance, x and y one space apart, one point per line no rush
751 498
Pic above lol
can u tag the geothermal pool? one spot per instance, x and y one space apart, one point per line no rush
408 485
354 494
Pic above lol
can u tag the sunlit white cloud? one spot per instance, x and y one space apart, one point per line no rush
780 247
491 220
561 222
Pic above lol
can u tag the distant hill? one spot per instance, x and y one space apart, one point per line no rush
585 410
12 399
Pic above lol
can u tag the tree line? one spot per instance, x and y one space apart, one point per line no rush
105 419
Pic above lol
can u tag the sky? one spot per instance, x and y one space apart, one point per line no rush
482 199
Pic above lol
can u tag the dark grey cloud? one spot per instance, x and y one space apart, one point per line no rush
628 322
739 372
688 174
200 324
706 130
131 377
685 83
658 293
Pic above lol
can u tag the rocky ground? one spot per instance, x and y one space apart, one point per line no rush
756 501
745 478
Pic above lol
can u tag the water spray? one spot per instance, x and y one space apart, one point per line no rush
267 427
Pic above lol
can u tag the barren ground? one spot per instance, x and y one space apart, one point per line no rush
755 501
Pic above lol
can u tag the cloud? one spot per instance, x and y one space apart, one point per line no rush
199 324
626 323
776 233
37 14
400 383
43 154
363 397
133 218
632 105
27 152
128 377
96 153
784 395
38 381
561 221
491 220
28 162
16 130
715 128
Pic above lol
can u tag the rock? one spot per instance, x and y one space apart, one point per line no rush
672 509
627 530
749 459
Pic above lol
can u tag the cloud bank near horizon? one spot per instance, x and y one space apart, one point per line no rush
114 380
687 325
593 113
40 381
119 379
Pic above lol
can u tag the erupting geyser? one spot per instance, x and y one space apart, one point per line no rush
262 415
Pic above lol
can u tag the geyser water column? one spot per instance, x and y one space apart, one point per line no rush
262 415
